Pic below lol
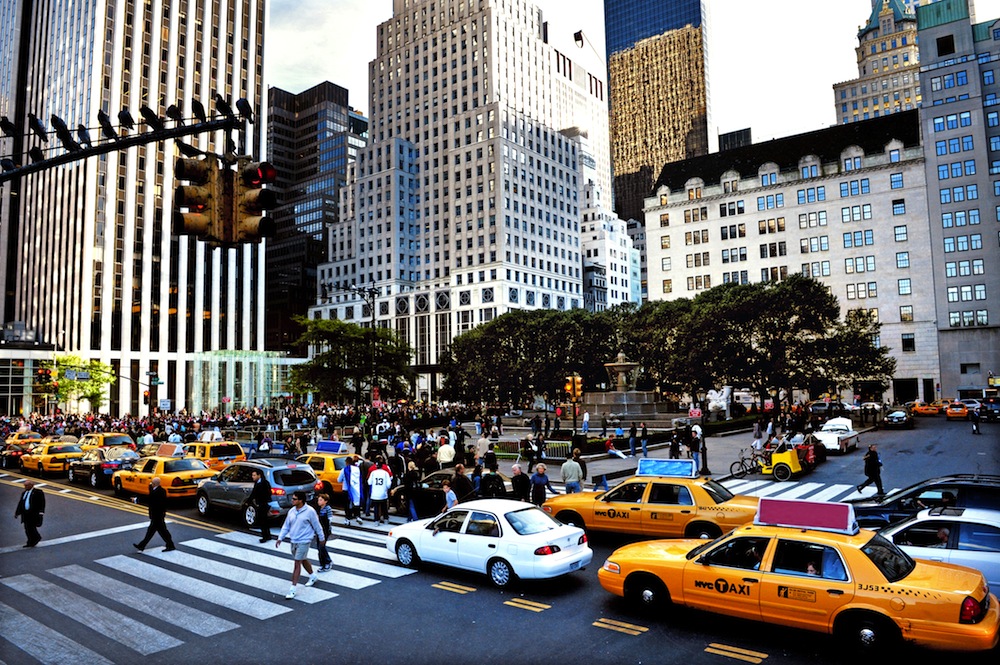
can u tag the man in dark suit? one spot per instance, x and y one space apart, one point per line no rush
157 517
31 510
260 498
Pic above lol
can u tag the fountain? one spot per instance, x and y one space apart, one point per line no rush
623 402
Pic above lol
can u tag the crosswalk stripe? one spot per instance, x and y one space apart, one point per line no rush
172 612
358 535
801 490
114 625
241 575
281 563
767 488
212 593
339 560
379 552
737 486
830 492
43 643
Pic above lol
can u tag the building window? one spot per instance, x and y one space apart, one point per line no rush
668 286
902 259
908 342
899 207
904 287
906 313
665 242
899 232
896 180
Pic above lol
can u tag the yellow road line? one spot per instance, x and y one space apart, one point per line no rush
736 653
532 603
527 605
620 626
454 588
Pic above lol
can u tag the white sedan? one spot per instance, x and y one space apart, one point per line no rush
503 538
837 435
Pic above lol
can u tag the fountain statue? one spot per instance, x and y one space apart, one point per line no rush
622 373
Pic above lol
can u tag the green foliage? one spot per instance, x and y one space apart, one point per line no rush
92 389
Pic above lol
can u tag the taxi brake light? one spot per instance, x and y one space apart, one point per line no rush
176 482
277 491
972 611
547 549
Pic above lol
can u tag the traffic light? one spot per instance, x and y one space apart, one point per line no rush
203 198
145 397
251 200
568 388
577 387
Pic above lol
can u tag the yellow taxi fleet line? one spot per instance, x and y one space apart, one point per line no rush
124 505
454 588
735 652
525 604
620 626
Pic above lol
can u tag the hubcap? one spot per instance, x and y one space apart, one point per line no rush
867 636
501 575
251 516
647 596
405 554
93 479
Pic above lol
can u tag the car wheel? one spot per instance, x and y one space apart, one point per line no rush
95 480
119 490
204 506
703 531
782 472
406 554
501 574
70 476
249 515
869 633
571 518
646 592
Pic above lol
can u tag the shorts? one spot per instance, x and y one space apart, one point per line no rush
300 551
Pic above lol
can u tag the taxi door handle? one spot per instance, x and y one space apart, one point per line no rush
835 592
750 579
635 508
686 512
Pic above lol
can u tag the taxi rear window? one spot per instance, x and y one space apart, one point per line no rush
184 464
64 449
891 561
226 450
119 440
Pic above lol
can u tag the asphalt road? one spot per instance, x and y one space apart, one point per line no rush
75 597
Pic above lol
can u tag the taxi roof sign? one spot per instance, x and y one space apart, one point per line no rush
819 515
675 468
331 447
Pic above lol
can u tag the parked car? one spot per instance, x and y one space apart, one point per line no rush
942 404
957 411
925 409
990 411
10 456
961 490
505 539
898 419
230 488
837 435
98 464
105 439
215 455
971 404
966 536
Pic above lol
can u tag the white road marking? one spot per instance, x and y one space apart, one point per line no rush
240 575
801 490
767 488
339 560
103 621
44 644
275 562
212 593
357 534
177 614
80 536
830 492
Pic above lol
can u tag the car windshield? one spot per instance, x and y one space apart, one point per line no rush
531 520
117 440
288 477
121 452
891 561
187 464
704 546
64 449
718 492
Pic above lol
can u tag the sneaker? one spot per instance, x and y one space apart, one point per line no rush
347 522
360 523
169 549
325 568
290 594
857 487
312 580
135 545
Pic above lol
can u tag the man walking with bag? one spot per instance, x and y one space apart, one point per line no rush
301 526
31 510
157 518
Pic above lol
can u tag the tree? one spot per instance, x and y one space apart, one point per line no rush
81 379
342 363
854 355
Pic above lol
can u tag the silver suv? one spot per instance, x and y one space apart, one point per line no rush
230 488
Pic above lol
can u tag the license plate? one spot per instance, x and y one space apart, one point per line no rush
574 565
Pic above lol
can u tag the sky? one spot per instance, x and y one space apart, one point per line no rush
773 63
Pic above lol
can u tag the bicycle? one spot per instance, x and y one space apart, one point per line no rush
746 464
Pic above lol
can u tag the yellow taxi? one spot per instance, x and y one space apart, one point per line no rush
327 465
666 498
942 404
105 440
179 476
925 409
806 564
216 455
51 457
956 411
23 437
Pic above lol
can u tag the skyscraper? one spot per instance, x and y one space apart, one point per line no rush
467 198
311 137
89 258
659 94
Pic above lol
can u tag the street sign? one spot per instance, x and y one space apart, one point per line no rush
150 373
694 413
69 374
166 405
83 376
155 382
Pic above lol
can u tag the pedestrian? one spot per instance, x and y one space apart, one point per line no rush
350 480
157 518
357 440
757 434
379 482
675 445
324 514
572 475
491 486
694 447
547 423
411 482
632 433
260 499
31 510
873 471
540 483
578 458
519 483
527 452
586 421
300 527
463 487
974 417
609 447
490 458
604 425
450 500
446 454
644 439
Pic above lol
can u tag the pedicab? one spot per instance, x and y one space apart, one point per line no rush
783 461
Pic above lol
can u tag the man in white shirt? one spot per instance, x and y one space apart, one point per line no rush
446 455
380 480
